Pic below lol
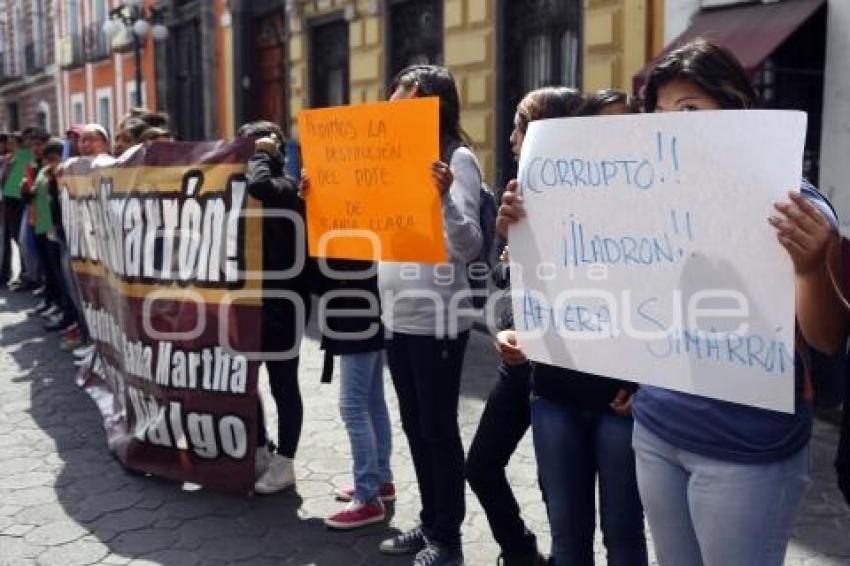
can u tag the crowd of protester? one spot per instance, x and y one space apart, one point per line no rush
32 222
717 483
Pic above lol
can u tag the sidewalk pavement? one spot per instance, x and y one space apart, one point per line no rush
64 500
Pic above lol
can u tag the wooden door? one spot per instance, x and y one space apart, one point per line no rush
270 75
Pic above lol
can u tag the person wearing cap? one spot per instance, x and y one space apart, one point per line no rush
72 141
94 141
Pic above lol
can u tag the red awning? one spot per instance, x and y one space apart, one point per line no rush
752 32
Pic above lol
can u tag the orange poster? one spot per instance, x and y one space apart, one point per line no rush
371 194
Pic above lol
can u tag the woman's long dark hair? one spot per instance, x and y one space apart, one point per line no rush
711 67
433 80
595 102
548 102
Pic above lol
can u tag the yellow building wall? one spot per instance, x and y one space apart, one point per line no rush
469 51
366 66
616 37
619 36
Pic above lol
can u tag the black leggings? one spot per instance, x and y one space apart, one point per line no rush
426 373
56 291
506 418
283 380
279 336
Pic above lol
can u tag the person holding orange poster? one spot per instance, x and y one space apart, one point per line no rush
426 335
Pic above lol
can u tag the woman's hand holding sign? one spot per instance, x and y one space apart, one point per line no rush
506 345
443 177
511 210
813 245
804 232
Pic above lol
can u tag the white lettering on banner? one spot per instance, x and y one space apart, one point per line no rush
213 369
697 294
157 237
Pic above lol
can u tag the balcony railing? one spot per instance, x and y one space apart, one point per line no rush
94 42
5 75
33 58
71 51
8 70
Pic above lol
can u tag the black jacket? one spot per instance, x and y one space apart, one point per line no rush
352 295
55 206
268 183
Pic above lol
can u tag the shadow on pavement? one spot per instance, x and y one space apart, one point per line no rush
57 475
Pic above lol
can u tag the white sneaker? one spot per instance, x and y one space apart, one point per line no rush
84 361
84 351
279 476
52 311
262 459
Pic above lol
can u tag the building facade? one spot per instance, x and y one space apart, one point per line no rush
796 51
96 77
191 67
188 74
347 51
28 94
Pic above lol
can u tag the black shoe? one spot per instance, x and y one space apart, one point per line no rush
40 307
57 323
23 285
439 555
408 542
528 559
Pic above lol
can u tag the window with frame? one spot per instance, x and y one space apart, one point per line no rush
541 46
95 43
415 30
104 108
17 30
329 79
4 38
39 34
72 28
131 95
78 108
543 41
13 111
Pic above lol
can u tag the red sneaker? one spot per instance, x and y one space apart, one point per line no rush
357 514
386 492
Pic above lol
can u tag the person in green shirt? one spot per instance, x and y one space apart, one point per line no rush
13 175
47 226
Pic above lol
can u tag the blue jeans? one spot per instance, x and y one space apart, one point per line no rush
572 446
367 421
706 511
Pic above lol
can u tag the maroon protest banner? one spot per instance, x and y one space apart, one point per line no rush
163 243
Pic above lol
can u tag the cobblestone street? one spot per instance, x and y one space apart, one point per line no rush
64 500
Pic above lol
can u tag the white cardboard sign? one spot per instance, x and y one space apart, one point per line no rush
646 254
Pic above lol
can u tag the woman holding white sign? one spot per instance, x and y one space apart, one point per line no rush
582 429
507 414
422 311
721 483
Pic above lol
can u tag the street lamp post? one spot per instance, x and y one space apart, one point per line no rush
140 21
